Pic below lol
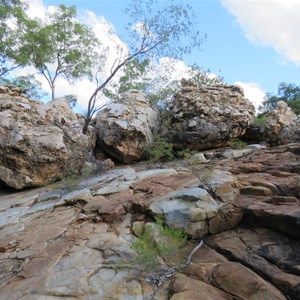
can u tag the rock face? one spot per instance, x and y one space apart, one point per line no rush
279 118
39 143
125 128
60 244
290 133
203 118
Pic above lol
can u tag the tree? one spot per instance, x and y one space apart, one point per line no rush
157 81
156 30
133 78
64 43
287 92
14 26
29 83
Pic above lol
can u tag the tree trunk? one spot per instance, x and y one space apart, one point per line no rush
86 124
52 91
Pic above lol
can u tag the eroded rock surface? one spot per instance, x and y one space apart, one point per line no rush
125 128
39 143
204 118
279 118
57 243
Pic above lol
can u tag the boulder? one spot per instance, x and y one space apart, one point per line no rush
125 128
277 120
207 117
290 133
39 143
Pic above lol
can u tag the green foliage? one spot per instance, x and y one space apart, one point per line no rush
186 153
168 29
72 178
156 242
155 30
72 100
203 77
287 92
71 182
236 144
160 149
29 83
59 42
260 120
146 250
66 43
13 35
133 79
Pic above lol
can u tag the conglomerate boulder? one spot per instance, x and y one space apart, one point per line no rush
39 143
291 132
279 118
207 117
124 128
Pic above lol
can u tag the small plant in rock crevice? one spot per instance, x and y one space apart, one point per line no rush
236 144
157 242
159 150
260 120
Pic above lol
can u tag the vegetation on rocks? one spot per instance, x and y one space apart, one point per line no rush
236 144
287 92
160 149
157 242
260 120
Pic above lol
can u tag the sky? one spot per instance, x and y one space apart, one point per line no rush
252 43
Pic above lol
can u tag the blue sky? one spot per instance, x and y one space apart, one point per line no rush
253 42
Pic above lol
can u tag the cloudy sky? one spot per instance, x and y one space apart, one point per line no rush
253 43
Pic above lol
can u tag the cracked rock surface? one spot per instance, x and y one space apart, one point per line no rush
57 243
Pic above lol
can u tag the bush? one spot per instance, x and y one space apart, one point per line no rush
155 242
160 149
186 153
260 120
236 144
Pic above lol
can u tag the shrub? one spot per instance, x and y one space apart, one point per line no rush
155 242
186 153
260 120
160 149
236 144
147 252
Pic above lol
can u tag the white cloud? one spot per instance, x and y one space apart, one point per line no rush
253 92
111 46
273 23
36 9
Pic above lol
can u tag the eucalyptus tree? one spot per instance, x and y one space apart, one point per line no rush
287 92
156 29
159 81
63 47
14 27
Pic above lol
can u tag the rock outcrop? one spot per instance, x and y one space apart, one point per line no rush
279 118
290 133
58 243
126 127
39 143
204 118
